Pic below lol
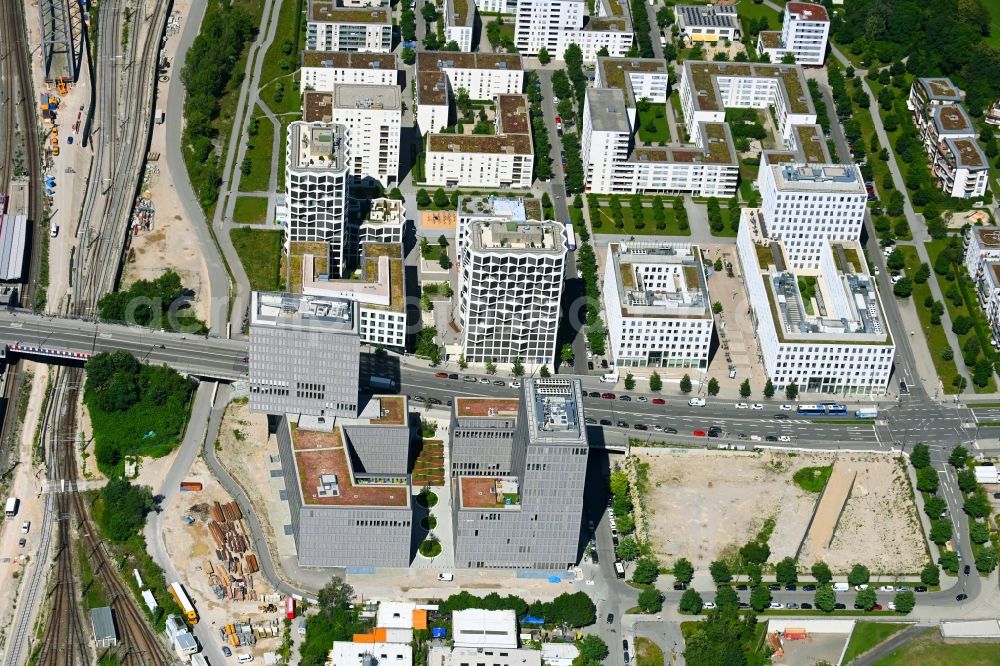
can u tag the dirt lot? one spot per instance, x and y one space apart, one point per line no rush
189 546
704 503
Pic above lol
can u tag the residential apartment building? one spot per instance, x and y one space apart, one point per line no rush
322 70
707 89
442 75
806 205
657 305
821 328
503 160
347 485
510 285
459 21
497 6
518 473
384 223
555 24
804 32
956 160
982 260
707 23
373 117
317 171
304 355
334 26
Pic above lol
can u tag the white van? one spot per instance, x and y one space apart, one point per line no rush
244 658
841 587
611 378
54 231
696 402
447 577
25 527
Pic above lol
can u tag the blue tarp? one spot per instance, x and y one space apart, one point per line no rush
555 579
438 632
531 619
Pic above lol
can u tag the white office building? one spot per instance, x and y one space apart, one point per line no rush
510 285
334 26
555 24
707 89
459 21
384 223
700 24
503 160
821 328
804 206
317 171
370 653
957 162
804 33
657 304
322 70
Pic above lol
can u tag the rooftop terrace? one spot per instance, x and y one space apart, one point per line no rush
486 407
358 96
484 492
324 11
321 146
491 205
529 235
392 409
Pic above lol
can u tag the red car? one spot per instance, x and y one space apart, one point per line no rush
441 375
699 433
877 607
659 401
608 396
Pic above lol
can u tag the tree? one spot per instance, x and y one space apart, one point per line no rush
423 199
967 480
429 12
543 372
335 594
792 391
647 570
920 457
958 458
130 505
895 261
408 55
691 602
930 574
650 600
543 56
979 533
785 571
935 506
441 199
629 381
720 572
592 648
491 367
821 572
903 288
566 353
717 308
977 505
961 325
825 599
745 388
986 560
685 384
755 552
518 368
858 575
760 598
754 572
904 602
683 571
940 531
922 274
866 598
788 58
462 363
949 562
713 386
655 382
628 549
768 389
927 480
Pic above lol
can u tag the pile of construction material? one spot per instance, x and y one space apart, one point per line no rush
244 633
232 576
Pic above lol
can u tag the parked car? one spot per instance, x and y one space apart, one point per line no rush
709 605
640 426
434 401
672 431
621 424
967 570
840 607
961 597
756 405
784 438
774 587
780 417
467 378
453 375
419 398
608 396
680 586
642 398
770 438
499 382
610 618
742 405
605 422
920 588
805 605
594 394
742 588
785 408
226 651
659 401
625 398
22 542
792 606
441 375
484 380
791 587
590 420
809 588
777 605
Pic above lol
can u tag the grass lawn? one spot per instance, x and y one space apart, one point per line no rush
286 120
813 479
747 10
290 100
675 106
259 153
867 635
934 248
994 38
260 252
653 129
250 210
647 653
929 650
935 335
286 38
602 221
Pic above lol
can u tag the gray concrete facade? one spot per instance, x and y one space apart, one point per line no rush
537 523
304 355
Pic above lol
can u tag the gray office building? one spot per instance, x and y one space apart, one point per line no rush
348 488
518 469
304 355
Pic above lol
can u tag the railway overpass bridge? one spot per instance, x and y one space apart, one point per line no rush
51 339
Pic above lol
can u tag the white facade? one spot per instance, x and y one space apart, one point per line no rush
837 341
483 83
555 24
708 88
707 23
316 175
496 6
351 30
466 656
385 223
982 246
804 33
657 304
440 75
478 628
349 653
807 205
322 71
373 116
510 285
459 18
